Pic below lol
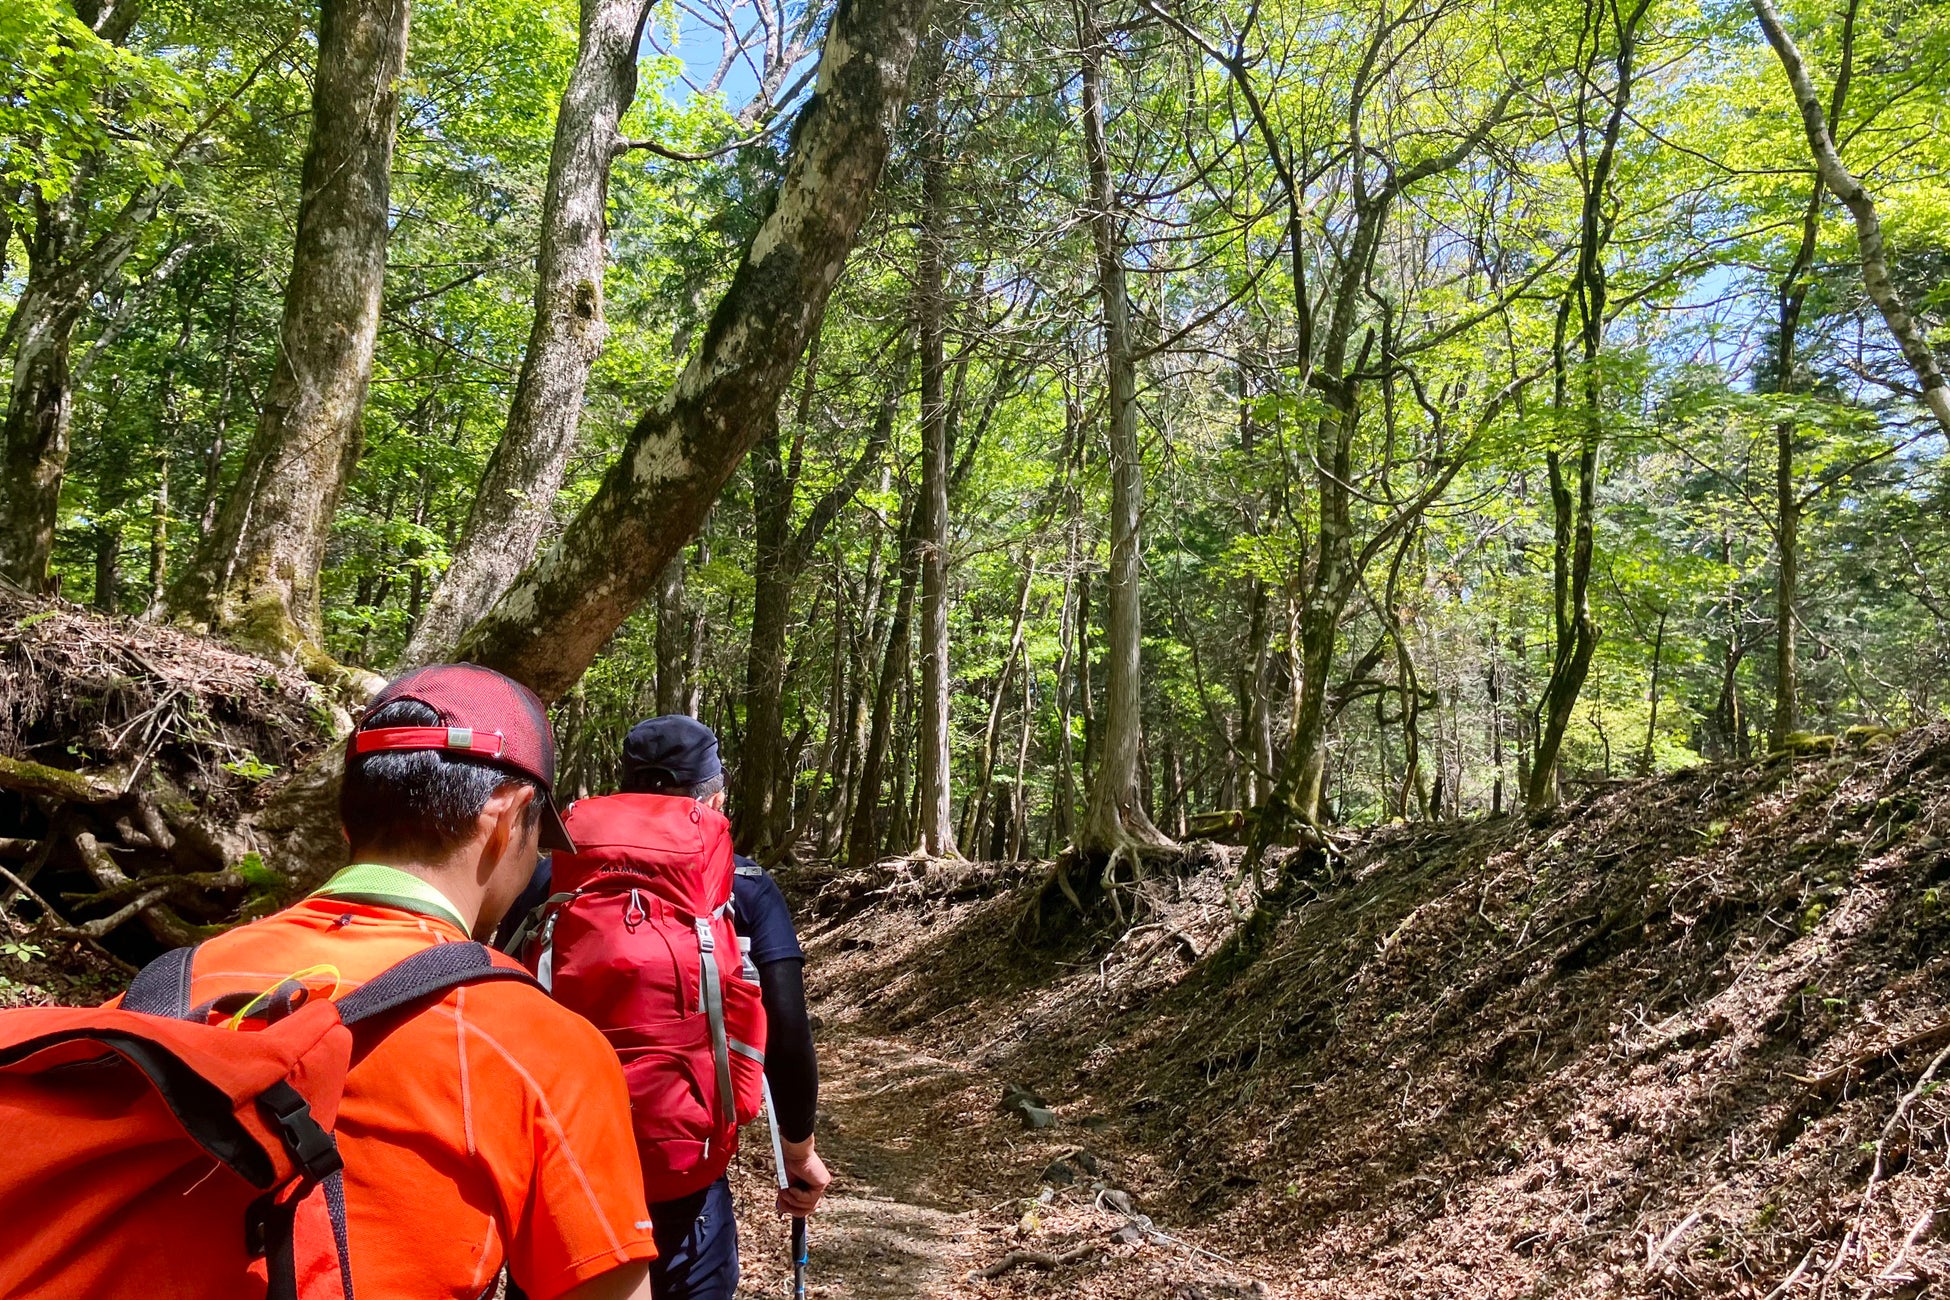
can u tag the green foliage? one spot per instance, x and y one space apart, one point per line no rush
1445 641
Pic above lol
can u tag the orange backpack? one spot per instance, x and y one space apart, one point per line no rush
150 1152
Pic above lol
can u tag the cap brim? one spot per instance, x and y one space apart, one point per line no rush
554 835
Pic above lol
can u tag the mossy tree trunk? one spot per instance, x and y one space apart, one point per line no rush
256 578
564 608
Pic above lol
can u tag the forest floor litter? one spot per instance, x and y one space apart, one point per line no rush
1676 1037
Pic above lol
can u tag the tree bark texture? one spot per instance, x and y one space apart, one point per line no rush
257 576
513 504
1843 184
1115 818
935 834
558 615
673 638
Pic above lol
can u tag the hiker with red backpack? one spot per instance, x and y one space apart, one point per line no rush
350 1089
684 955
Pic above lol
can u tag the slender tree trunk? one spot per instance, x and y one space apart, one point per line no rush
517 492
978 802
673 627
762 752
1064 797
1018 799
159 536
219 423
257 577
1896 314
1787 578
1577 630
1085 698
1115 818
1258 705
555 618
863 838
935 833
1493 690
691 679
108 537
1652 712
865 662
1792 296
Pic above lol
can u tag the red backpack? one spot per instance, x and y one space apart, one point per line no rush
151 1152
638 939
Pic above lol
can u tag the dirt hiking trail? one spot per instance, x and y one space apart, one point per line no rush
930 1188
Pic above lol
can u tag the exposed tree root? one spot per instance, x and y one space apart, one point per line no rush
133 760
1037 1259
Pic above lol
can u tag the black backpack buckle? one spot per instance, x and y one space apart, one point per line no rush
314 1150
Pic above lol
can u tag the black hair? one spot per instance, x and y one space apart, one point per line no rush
419 800
639 783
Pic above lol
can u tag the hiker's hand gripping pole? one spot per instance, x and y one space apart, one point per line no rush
785 1182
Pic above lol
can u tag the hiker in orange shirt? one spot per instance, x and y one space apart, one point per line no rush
492 1128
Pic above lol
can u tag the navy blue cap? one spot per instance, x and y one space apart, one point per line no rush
674 752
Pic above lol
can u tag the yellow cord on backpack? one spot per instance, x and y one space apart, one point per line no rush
320 971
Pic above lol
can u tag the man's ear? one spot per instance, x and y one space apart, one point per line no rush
506 813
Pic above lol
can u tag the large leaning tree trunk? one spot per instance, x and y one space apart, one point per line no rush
512 507
1835 175
256 576
1114 818
1576 630
558 615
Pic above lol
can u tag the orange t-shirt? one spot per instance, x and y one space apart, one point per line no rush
493 1124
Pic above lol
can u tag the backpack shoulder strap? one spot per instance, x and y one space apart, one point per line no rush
162 988
535 920
423 976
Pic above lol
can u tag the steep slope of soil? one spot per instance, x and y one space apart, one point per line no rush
136 762
1676 1038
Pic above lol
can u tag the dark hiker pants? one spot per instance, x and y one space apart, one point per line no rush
697 1246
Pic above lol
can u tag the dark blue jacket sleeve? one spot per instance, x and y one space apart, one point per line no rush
790 1063
764 918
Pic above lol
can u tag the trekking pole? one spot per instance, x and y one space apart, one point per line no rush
798 1221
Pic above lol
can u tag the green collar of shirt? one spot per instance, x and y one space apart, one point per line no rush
369 882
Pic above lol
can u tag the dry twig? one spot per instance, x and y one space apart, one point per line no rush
1036 1259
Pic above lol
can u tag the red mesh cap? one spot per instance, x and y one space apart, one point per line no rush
483 716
